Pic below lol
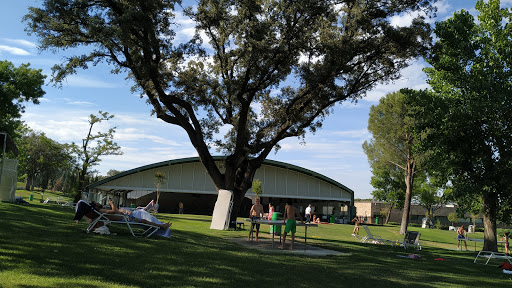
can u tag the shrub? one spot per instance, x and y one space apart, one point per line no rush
394 223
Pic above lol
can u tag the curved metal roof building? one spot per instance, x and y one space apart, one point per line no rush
187 179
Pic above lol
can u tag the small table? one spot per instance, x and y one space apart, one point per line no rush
282 223
482 240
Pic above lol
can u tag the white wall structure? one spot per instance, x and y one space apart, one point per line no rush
188 175
222 210
8 180
8 168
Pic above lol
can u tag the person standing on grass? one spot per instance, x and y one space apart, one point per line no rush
461 236
270 211
180 210
290 212
308 214
356 227
507 250
256 213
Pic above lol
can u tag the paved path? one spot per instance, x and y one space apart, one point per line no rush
265 245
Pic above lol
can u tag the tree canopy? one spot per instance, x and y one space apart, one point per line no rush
240 80
17 86
393 145
469 115
94 146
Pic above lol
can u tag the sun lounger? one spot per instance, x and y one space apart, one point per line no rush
147 229
97 219
490 254
374 238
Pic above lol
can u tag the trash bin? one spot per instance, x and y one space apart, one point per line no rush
276 229
31 197
376 220
333 218
133 206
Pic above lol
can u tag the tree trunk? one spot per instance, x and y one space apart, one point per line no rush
409 179
389 212
490 240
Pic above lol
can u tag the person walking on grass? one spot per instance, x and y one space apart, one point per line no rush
461 236
308 214
290 212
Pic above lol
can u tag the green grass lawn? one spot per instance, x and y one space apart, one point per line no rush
40 246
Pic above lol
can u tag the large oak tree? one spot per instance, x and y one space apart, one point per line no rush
330 50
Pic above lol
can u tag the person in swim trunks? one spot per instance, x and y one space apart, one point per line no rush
461 236
290 212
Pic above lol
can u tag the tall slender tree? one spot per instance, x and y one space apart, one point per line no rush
332 50
392 124
94 146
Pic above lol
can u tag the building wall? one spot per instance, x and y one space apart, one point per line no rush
188 179
369 210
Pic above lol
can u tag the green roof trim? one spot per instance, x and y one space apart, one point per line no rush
220 158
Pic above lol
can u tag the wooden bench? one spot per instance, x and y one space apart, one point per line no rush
238 225
491 254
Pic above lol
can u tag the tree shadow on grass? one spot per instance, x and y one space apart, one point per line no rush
43 243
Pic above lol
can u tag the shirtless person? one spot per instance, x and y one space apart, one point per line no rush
291 224
255 214
356 227
461 236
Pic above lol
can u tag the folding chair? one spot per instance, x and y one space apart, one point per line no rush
412 238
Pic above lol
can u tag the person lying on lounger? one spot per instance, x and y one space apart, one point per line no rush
86 210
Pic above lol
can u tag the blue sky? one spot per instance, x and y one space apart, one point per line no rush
334 151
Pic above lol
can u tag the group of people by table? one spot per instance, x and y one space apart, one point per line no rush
289 216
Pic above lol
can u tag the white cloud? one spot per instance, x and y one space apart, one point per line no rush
412 77
403 20
87 82
20 42
443 7
13 50
361 133
81 103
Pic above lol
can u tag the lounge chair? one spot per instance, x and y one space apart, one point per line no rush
97 219
412 238
374 238
147 229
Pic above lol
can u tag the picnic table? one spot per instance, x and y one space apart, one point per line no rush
283 223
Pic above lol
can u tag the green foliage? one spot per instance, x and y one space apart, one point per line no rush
17 86
42 159
469 114
256 188
159 180
95 146
392 152
389 186
254 50
452 217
